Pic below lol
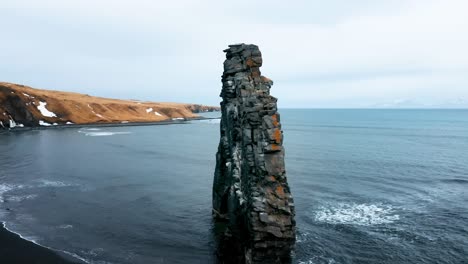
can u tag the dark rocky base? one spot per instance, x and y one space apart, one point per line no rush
233 247
15 250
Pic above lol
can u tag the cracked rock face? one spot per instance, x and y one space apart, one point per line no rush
250 189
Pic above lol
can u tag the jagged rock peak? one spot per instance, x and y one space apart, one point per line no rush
250 188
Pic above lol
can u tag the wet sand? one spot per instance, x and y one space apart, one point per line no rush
15 250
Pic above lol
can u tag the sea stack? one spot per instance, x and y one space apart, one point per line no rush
250 190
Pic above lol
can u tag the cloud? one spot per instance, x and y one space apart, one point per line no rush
333 54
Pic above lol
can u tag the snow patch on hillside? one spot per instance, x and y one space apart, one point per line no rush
12 123
92 110
42 108
42 123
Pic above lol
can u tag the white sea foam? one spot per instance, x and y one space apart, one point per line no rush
209 121
65 226
94 253
4 188
34 240
49 183
311 261
75 256
28 238
103 134
88 130
42 108
357 214
178 118
20 198
306 262
302 237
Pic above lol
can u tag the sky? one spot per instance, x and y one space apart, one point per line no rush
320 54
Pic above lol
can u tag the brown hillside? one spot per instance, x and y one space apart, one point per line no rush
25 106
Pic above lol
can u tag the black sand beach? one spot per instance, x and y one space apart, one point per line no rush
97 125
15 250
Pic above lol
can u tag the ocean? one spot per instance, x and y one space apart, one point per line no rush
370 186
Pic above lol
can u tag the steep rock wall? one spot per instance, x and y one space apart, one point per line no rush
250 189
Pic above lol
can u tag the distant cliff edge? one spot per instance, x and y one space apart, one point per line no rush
23 106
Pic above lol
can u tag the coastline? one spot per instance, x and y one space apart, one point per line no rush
15 249
165 122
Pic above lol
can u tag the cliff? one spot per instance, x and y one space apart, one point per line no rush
250 189
25 106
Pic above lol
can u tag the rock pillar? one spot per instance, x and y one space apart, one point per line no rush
250 189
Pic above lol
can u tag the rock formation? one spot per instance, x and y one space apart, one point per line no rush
197 108
250 189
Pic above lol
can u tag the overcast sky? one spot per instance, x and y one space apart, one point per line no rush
336 53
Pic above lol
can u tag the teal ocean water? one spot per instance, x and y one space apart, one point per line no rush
370 186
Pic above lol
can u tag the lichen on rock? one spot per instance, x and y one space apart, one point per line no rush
250 189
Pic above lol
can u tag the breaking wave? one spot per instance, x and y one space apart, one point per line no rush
357 214
35 239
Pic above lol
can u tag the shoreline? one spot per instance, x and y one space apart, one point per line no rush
164 122
16 249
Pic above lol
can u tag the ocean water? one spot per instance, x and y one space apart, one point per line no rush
370 186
